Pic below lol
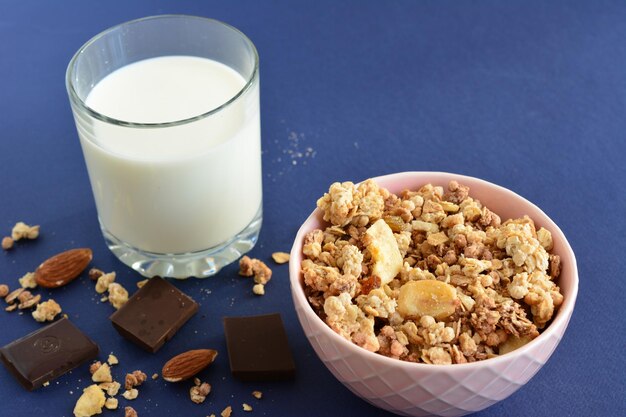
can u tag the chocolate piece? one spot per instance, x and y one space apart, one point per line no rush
258 349
47 353
153 315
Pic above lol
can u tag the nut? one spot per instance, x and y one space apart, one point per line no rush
280 257
130 412
117 295
134 380
188 364
24 296
7 243
427 298
111 388
111 403
90 402
199 392
12 296
63 268
4 290
31 302
104 280
95 273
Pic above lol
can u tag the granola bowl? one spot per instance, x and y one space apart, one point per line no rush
421 389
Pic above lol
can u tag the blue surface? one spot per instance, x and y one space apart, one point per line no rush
530 95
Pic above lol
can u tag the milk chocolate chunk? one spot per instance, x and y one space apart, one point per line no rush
258 349
154 314
47 353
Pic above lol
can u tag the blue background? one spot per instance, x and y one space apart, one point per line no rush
530 95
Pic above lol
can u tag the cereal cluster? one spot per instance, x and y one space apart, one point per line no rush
428 276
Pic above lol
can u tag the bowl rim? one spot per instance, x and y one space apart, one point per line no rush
561 319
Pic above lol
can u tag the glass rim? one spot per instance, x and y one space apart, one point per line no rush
80 103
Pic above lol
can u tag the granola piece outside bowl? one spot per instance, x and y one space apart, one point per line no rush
415 389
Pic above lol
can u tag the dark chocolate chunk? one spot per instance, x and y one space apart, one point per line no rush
258 349
47 353
153 315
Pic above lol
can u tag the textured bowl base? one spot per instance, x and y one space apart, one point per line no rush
199 264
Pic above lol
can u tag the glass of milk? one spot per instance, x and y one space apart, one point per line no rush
167 112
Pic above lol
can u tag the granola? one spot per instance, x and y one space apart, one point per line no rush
430 276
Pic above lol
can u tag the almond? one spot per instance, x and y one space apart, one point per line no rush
187 364
63 268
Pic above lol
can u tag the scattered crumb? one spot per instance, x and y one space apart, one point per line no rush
111 403
23 231
104 280
111 388
28 280
247 407
130 394
112 360
104 299
47 311
258 289
7 243
117 295
90 402
257 394
102 374
141 283
155 376
11 307
45 384
280 257
227 411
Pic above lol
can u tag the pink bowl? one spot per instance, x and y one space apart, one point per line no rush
414 389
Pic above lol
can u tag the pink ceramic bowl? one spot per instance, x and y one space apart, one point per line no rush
414 389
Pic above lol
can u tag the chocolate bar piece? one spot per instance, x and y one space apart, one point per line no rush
258 349
153 315
47 353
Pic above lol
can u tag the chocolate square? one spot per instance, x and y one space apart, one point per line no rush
258 349
153 315
47 353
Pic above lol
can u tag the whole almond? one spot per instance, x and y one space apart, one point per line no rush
63 268
188 364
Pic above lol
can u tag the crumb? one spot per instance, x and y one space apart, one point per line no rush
112 360
29 302
280 257
46 311
141 283
111 388
103 282
104 299
11 307
227 411
90 402
258 289
130 394
257 394
7 243
246 407
12 296
111 403
28 280
102 373
253 267
155 376
45 384
117 295
24 231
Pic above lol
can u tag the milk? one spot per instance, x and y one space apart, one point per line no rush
181 188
